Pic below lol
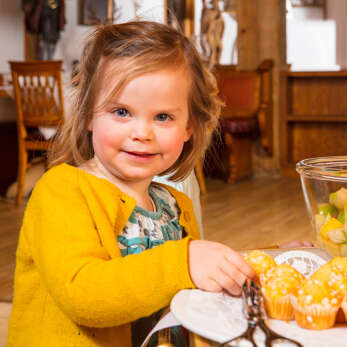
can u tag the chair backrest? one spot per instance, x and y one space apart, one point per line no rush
239 90
38 93
247 94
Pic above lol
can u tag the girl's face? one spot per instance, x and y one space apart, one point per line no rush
141 133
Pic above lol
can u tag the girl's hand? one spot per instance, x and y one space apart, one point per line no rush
214 267
296 244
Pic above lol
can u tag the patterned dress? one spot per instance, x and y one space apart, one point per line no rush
145 230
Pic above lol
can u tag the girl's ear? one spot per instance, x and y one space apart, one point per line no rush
90 125
189 132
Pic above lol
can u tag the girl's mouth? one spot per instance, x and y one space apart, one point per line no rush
140 156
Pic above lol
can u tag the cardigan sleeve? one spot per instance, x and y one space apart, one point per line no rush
79 274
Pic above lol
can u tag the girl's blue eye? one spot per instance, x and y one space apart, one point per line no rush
121 112
163 117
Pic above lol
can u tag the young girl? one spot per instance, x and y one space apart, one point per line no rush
101 246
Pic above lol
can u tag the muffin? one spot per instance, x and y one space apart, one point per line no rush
278 283
344 307
260 262
332 274
315 304
339 264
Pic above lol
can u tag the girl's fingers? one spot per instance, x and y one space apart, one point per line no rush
227 283
233 272
237 260
307 243
212 286
296 244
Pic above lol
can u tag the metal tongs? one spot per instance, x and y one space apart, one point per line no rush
253 309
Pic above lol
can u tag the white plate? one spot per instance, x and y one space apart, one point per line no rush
305 262
218 317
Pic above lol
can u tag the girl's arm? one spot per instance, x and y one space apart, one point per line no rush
76 269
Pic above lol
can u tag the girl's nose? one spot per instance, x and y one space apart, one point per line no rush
142 130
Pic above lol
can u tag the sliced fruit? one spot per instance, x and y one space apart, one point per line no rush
331 224
338 198
345 209
332 248
341 217
332 197
337 235
343 249
319 221
327 208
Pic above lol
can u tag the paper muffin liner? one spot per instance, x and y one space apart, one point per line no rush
313 316
340 317
344 308
279 308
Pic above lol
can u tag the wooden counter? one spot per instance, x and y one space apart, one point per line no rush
313 116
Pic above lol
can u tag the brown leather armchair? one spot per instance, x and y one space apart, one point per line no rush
247 114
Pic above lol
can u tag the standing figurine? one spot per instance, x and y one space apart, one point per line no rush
212 29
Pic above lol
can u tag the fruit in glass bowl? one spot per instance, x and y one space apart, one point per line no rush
324 184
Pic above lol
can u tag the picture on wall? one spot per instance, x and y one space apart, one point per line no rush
95 12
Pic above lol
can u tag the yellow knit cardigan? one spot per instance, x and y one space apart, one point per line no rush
72 287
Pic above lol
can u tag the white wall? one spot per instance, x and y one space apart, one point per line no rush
315 42
311 45
11 33
12 47
70 45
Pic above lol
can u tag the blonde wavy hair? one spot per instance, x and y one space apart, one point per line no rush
140 47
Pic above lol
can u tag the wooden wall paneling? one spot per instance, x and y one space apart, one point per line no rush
315 96
283 122
313 116
317 139
248 35
262 35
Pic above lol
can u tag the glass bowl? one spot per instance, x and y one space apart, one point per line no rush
324 184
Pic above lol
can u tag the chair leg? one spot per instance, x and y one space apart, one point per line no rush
200 176
22 168
239 157
231 175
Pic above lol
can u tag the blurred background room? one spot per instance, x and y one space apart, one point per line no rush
281 68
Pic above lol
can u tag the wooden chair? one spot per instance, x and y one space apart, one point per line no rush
247 113
39 102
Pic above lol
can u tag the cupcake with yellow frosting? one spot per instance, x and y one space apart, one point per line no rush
339 264
260 262
344 307
278 283
315 304
331 275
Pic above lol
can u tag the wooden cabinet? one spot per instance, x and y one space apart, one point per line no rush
313 116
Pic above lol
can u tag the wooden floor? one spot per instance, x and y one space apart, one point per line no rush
251 214
255 213
10 222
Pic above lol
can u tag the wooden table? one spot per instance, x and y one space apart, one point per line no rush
6 87
6 92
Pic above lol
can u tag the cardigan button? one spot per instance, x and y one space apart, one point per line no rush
186 216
